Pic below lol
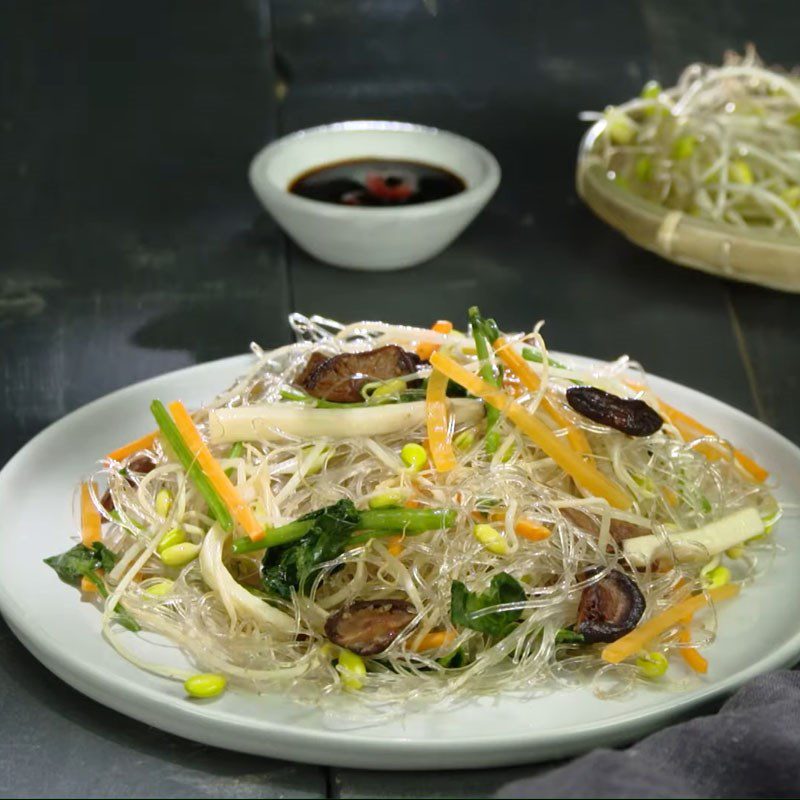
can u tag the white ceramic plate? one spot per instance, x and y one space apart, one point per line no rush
758 632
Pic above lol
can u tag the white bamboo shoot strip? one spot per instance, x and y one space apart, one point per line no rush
275 421
699 544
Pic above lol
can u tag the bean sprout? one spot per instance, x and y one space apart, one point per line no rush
722 145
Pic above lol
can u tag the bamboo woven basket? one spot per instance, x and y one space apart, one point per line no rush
763 257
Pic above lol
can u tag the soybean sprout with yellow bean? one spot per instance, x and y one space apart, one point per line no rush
722 145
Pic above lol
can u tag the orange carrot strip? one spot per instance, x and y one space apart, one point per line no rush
240 511
575 435
630 644
88 586
516 363
426 349
395 545
571 462
142 443
90 516
758 473
670 496
528 529
690 655
662 408
690 428
436 417
432 640
520 367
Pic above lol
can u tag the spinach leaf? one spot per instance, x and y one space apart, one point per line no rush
125 619
294 565
107 557
79 561
486 504
457 658
568 636
83 562
502 589
455 390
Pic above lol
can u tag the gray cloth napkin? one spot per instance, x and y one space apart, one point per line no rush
750 748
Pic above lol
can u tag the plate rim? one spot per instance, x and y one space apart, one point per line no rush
225 729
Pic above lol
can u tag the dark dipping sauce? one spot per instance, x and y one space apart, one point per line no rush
377 182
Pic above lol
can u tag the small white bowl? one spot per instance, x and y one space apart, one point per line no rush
373 238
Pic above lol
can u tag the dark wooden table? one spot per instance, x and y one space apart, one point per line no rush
132 245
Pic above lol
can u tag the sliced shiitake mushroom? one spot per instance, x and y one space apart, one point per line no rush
140 465
633 417
340 378
620 529
316 359
368 627
107 501
609 608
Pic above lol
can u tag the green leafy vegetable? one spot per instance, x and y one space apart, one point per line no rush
107 557
410 395
529 354
455 390
235 452
293 565
468 609
488 371
173 437
296 550
371 523
406 520
83 562
455 659
568 636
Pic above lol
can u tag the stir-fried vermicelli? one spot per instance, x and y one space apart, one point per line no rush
489 519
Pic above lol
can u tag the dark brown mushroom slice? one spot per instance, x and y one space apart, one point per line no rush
140 465
107 501
619 529
315 360
340 379
368 627
633 417
609 608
